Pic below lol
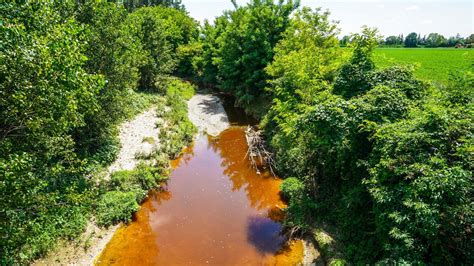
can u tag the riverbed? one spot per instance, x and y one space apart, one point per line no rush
214 210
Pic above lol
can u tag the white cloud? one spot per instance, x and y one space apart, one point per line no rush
412 8
427 21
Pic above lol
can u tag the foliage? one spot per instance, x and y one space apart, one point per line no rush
243 48
161 32
116 55
179 131
411 40
45 93
421 180
356 143
292 188
116 206
353 78
183 89
435 40
134 4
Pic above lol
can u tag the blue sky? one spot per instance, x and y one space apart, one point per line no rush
447 17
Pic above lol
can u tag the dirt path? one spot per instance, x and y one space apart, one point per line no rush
90 244
207 113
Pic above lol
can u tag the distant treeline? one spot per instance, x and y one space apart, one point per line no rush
414 39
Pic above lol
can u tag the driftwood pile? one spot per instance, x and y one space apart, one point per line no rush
257 153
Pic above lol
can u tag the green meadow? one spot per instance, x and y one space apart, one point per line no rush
432 64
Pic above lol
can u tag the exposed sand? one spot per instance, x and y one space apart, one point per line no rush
311 255
132 134
81 251
207 113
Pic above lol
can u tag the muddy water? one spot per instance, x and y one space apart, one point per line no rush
214 210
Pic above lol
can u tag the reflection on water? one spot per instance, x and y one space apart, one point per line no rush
214 210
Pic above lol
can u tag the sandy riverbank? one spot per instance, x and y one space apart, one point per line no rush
207 113
90 244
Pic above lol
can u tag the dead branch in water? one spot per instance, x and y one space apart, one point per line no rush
258 155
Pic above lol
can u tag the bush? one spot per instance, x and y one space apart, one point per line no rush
185 89
139 181
292 188
115 53
116 206
161 30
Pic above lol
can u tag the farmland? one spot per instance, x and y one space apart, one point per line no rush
433 64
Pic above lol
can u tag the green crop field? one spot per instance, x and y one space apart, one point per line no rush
432 64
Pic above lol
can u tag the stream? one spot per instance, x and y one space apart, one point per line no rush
214 210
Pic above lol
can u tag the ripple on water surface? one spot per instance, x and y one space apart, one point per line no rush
214 210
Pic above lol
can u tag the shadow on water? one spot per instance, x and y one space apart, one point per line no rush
264 234
236 115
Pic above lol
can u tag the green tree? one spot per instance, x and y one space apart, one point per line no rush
353 78
161 30
421 180
435 40
113 52
45 94
411 40
246 47
392 40
345 40
131 5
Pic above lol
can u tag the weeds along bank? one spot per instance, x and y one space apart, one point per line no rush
377 158
71 73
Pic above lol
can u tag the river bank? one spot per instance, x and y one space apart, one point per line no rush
84 249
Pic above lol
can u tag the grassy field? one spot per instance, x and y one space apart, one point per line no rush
431 64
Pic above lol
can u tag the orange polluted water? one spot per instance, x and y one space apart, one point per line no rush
214 210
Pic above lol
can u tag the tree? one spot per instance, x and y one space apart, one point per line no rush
470 39
344 41
161 30
246 47
45 94
421 193
134 4
411 40
392 40
353 79
113 52
435 40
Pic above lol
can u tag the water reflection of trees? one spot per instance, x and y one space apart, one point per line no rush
264 234
261 190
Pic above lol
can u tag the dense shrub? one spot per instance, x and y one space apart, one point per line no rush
179 131
113 52
354 76
292 188
421 182
116 206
